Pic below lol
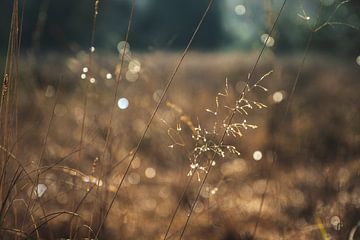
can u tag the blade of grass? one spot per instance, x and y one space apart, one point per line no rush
170 81
289 102
230 120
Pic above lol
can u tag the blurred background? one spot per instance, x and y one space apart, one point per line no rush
232 25
297 176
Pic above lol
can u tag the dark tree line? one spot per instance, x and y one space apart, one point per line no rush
158 24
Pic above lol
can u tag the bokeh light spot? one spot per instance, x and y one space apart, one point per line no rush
123 48
257 155
134 178
358 60
240 10
123 103
136 163
150 172
131 76
267 40
108 76
134 66
278 96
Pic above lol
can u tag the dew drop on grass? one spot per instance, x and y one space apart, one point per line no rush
123 103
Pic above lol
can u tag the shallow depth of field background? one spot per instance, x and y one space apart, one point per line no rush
312 191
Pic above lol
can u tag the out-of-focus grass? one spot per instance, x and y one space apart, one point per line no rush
316 175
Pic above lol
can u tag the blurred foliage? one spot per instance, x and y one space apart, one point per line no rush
67 25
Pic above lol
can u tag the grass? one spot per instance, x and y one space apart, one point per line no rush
75 165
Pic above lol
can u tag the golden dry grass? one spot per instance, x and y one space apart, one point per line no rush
315 177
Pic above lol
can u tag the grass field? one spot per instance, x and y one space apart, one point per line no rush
179 145
314 179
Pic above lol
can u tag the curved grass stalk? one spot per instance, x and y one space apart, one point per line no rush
298 74
230 120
